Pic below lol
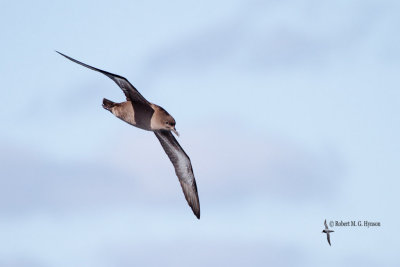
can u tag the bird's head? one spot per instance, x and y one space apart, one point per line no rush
168 122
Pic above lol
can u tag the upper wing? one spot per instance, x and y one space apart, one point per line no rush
183 168
129 90
326 226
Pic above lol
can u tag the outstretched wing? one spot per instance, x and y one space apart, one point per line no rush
129 90
183 168
328 236
326 226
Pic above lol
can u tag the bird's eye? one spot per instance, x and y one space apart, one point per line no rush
167 122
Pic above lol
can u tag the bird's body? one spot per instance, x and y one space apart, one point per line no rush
123 111
327 232
128 111
139 112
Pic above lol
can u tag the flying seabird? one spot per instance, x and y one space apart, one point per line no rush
139 112
327 231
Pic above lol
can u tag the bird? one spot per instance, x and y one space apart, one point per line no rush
327 232
139 112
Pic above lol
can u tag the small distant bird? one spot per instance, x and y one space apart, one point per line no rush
327 232
139 112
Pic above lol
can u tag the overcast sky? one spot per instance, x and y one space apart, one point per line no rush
289 111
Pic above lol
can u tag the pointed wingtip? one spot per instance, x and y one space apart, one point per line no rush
197 214
193 203
67 57
63 55
195 206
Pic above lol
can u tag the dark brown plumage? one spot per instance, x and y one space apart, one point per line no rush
140 113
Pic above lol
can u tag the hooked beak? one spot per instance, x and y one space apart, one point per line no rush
175 131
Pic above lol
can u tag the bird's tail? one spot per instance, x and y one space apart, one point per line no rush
108 104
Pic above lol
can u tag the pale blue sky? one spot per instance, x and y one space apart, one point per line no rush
289 111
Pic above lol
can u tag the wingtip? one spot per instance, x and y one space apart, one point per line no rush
194 205
197 214
195 208
62 54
